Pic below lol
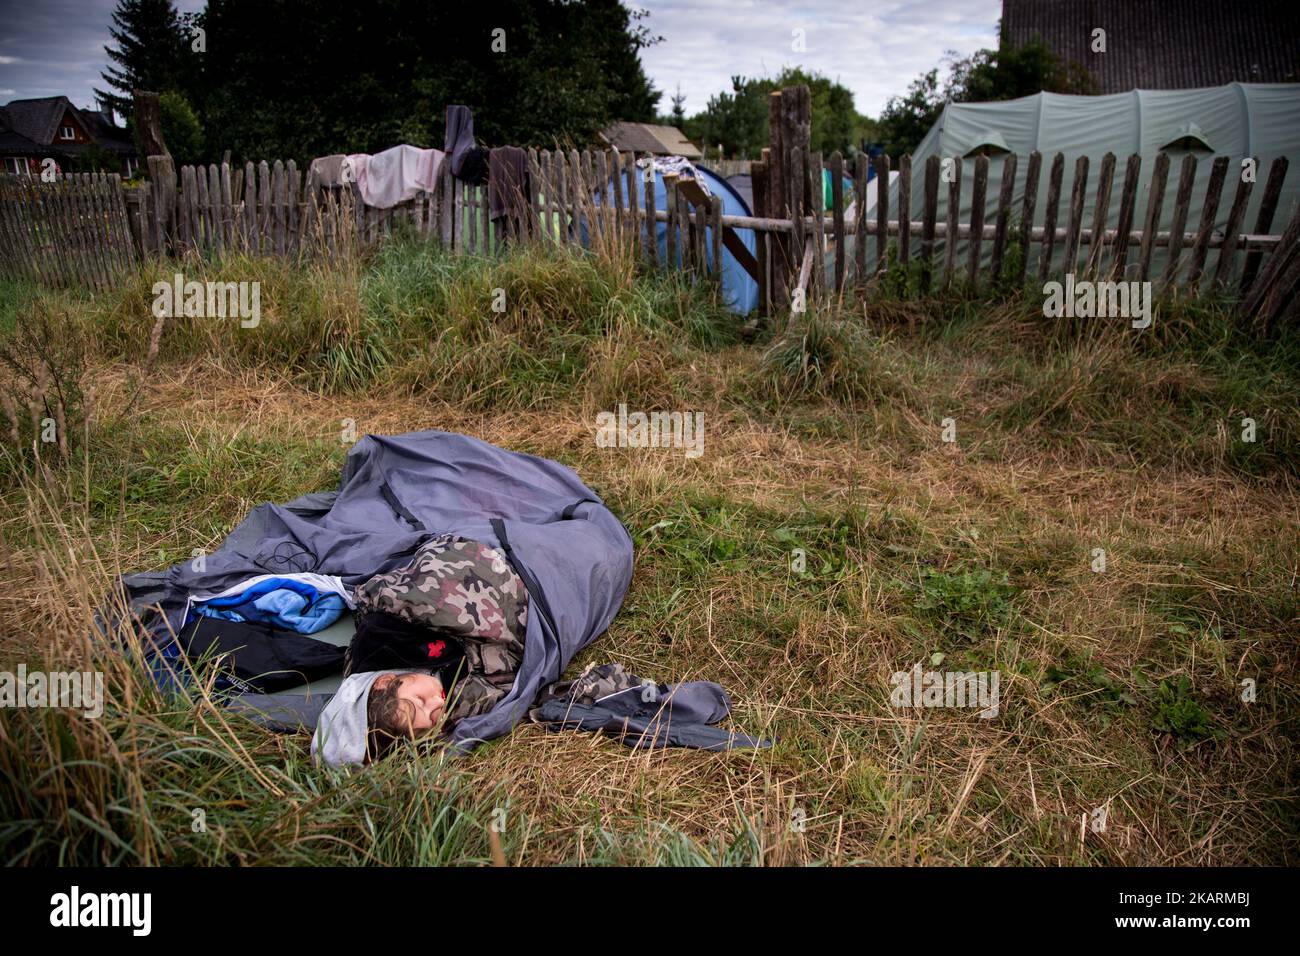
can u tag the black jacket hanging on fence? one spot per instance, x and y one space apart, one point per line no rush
508 183
469 163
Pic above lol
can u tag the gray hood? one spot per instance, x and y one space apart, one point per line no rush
340 736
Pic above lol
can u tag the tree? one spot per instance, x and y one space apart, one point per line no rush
181 129
149 46
739 119
906 120
985 76
534 72
678 115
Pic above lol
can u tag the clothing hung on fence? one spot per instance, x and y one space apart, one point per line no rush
469 162
678 166
509 187
393 176
327 170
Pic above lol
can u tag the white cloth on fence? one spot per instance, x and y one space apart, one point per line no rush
393 176
680 167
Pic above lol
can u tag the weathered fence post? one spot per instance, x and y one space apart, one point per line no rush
1049 216
928 217
979 192
1092 265
1186 179
1003 215
837 215
882 212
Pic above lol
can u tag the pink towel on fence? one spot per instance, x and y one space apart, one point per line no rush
395 175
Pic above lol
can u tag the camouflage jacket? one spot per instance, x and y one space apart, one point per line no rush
469 591
639 712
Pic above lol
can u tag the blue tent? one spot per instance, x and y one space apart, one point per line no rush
739 289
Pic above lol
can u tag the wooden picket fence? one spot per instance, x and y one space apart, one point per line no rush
70 231
87 229
1083 246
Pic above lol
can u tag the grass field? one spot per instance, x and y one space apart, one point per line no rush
827 538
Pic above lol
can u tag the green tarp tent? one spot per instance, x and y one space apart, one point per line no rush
1259 120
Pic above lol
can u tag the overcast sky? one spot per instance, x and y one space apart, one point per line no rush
874 48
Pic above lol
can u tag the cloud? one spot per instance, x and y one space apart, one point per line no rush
874 49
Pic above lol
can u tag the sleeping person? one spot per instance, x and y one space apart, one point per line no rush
437 640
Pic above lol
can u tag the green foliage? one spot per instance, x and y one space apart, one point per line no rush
224 421
969 603
418 317
906 119
828 356
1079 675
1178 713
43 364
181 129
1007 73
95 159
899 282
739 119
150 49
365 83
659 844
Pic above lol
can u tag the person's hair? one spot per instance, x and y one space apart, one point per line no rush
387 718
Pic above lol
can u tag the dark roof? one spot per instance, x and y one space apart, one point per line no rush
14 143
106 133
38 120
1169 45
651 138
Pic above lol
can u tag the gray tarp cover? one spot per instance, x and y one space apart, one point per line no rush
397 491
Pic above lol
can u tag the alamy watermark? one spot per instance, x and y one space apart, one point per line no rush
212 300
946 689
651 430
73 689
1098 300
133 911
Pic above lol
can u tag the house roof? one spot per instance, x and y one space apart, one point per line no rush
650 138
14 143
38 120
106 133
1170 45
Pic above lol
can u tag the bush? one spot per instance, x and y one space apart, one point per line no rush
42 371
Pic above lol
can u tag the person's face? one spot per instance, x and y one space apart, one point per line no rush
422 700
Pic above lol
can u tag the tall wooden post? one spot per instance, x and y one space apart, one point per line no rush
778 204
162 171
790 116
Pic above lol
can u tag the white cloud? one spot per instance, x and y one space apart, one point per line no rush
874 49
